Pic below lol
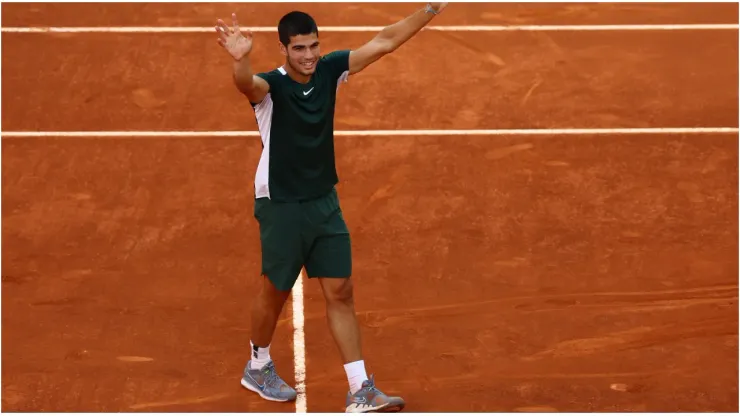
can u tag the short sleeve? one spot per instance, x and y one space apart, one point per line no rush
337 62
270 77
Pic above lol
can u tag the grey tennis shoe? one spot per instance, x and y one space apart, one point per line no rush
266 382
370 399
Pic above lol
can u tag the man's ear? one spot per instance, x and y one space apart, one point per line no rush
283 49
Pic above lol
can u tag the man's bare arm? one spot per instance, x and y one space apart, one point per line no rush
254 87
392 37
239 47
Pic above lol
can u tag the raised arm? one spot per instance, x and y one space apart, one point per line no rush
391 37
239 47
254 87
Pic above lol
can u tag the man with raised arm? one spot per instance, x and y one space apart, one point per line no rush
296 203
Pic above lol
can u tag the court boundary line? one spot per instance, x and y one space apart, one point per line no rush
299 346
445 28
440 132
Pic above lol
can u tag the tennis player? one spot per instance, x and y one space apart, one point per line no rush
296 202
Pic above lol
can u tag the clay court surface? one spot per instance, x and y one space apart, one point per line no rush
493 272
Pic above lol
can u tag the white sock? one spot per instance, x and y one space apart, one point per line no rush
355 375
260 356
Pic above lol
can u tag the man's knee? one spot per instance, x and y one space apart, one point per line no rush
337 289
271 296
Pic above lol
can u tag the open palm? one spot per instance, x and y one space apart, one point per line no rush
236 44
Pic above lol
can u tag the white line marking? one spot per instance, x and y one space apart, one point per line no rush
474 28
299 345
492 132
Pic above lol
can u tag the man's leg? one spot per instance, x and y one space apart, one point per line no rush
330 260
282 259
342 320
363 396
340 314
266 310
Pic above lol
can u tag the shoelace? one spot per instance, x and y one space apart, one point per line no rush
271 378
370 387
370 383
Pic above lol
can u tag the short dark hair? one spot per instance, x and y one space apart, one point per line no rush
296 23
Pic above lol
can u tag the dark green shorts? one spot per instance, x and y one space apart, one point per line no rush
310 234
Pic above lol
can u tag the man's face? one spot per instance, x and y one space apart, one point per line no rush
302 53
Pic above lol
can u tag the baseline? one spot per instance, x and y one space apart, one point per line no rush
450 28
490 132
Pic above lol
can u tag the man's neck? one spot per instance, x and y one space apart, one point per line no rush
296 76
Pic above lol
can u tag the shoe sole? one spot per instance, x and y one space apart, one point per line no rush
250 387
386 408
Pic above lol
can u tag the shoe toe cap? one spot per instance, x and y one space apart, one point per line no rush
286 392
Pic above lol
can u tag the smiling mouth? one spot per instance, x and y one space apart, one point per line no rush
308 65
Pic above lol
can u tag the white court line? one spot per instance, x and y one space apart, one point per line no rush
299 346
492 132
452 28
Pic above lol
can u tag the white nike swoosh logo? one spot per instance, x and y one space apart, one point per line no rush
261 386
308 92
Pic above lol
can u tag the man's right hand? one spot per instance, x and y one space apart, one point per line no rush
232 39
